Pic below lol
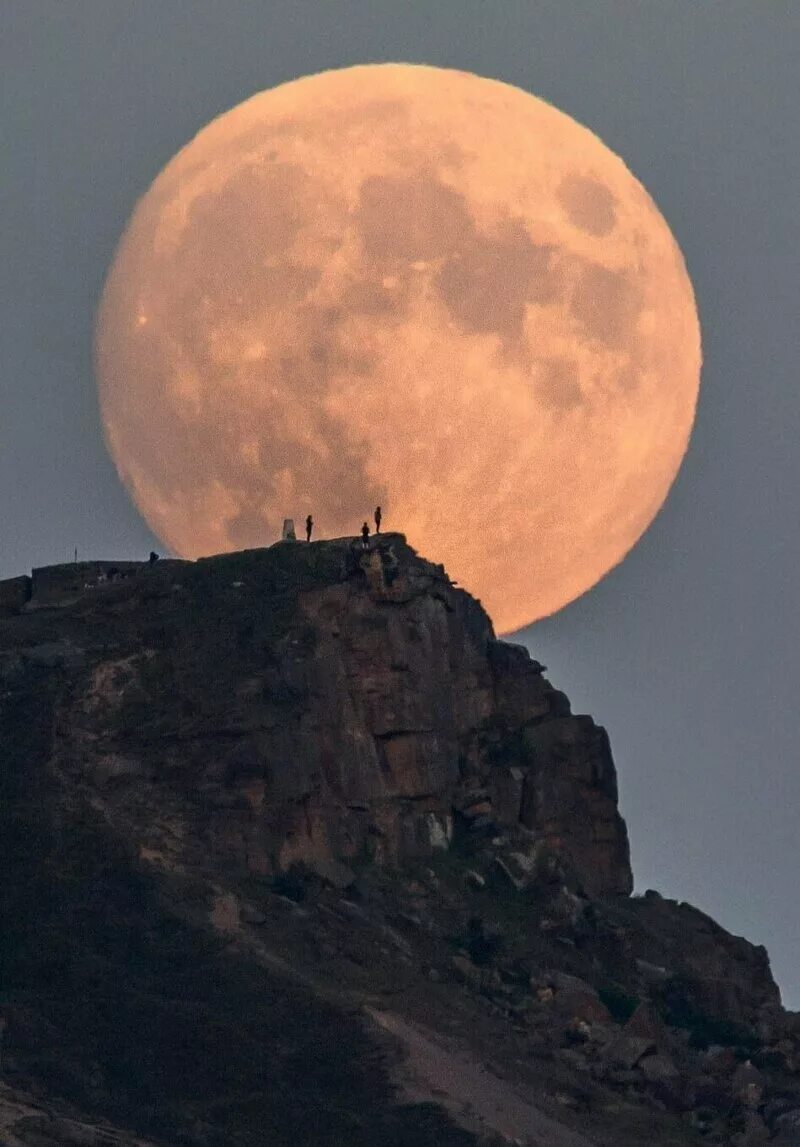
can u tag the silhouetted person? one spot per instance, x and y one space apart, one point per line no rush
365 535
153 557
309 527
378 517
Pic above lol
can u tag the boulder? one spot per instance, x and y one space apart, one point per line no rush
755 1132
465 971
646 1023
625 1051
658 1068
788 1123
474 879
748 1085
333 872
575 999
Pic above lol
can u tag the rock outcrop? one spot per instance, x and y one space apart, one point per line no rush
311 703
290 845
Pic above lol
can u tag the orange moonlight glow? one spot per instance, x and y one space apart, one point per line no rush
409 286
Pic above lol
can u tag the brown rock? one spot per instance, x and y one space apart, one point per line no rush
714 975
250 915
512 874
788 1123
577 999
573 769
466 971
658 1068
337 720
14 593
712 1094
719 1060
625 1051
748 1085
333 872
647 1024
755 1132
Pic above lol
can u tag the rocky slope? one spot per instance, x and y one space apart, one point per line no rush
294 851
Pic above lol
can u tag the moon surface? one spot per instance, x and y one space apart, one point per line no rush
408 286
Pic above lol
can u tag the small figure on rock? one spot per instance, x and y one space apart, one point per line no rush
365 535
153 557
378 518
309 527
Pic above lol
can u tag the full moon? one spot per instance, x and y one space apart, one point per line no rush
411 287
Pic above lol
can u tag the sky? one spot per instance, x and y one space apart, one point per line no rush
689 651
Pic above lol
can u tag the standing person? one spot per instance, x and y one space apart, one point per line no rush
378 517
365 535
309 527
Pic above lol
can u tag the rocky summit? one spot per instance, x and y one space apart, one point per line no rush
295 851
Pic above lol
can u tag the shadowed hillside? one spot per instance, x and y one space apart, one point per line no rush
294 851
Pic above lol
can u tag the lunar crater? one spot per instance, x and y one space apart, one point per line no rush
588 203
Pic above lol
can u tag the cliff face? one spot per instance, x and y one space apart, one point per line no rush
290 842
323 703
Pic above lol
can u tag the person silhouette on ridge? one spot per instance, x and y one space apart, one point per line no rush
378 518
365 535
309 527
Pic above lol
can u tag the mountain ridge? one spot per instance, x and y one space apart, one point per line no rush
314 769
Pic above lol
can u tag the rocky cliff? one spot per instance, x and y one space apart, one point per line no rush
289 840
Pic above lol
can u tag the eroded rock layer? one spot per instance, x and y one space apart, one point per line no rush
319 703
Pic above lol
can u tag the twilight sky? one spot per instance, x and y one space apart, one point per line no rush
689 652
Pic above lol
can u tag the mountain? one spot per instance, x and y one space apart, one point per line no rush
294 851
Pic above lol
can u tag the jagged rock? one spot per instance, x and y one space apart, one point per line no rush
572 756
516 879
625 1051
333 872
719 1060
474 879
250 915
755 1132
714 975
466 971
748 1085
711 1094
652 973
646 1023
14 593
658 1068
299 705
574 998
788 1123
